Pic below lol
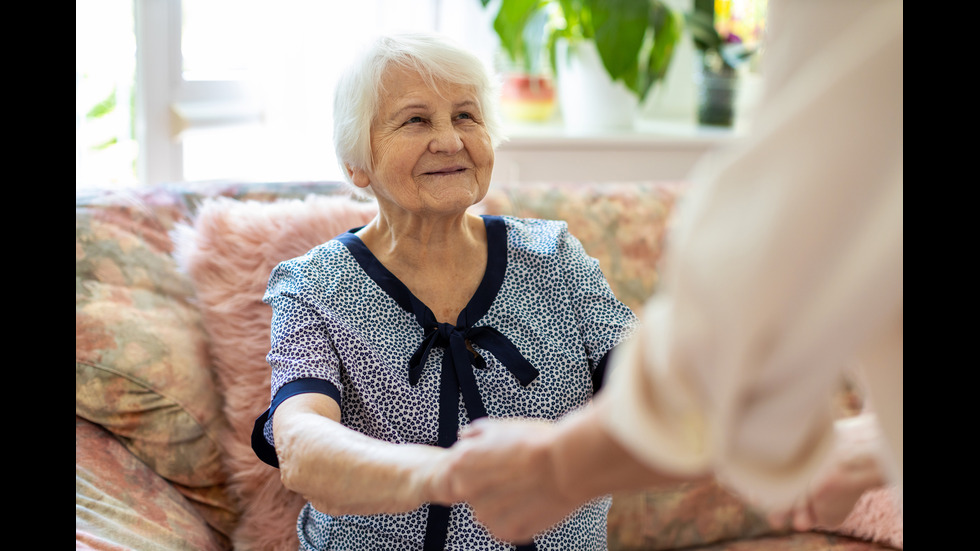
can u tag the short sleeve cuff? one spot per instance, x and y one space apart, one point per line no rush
260 445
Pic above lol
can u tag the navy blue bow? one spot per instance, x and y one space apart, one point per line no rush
457 374
457 378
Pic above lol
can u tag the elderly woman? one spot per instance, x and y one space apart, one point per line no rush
389 338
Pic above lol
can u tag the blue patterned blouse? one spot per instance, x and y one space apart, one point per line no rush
542 323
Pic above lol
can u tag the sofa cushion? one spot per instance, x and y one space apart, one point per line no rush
141 362
120 503
229 254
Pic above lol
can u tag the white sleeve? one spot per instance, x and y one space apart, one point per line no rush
787 260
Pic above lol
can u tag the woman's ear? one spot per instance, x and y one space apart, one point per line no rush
358 177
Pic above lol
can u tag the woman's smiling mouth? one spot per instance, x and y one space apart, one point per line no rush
447 171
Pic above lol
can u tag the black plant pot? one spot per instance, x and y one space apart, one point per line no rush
716 97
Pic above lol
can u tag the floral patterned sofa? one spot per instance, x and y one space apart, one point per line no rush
170 334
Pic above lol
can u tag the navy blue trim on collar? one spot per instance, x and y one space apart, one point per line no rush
480 302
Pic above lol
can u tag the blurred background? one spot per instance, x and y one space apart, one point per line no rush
204 90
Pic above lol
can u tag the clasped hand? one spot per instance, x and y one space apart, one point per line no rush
505 470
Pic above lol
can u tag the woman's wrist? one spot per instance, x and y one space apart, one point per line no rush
424 472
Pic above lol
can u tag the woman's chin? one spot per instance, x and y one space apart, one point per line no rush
450 193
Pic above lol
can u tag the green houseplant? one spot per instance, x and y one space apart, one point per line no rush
635 39
721 51
528 92
606 55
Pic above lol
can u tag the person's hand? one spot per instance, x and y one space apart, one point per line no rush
505 471
524 476
853 468
831 497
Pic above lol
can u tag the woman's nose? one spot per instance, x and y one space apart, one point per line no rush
445 139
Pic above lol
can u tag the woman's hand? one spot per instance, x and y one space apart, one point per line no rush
853 467
523 476
343 472
504 470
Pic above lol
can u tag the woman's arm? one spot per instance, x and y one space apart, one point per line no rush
341 471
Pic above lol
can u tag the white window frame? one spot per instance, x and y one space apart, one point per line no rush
166 103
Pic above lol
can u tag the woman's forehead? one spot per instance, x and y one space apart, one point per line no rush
403 87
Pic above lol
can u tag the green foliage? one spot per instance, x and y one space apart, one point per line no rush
635 38
520 24
106 144
103 108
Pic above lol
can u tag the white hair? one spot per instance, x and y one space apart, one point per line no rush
434 57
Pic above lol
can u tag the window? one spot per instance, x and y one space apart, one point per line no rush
105 79
228 89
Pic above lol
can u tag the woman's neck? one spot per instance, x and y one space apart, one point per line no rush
424 242
441 261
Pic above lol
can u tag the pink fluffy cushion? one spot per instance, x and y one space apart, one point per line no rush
229 253
877 517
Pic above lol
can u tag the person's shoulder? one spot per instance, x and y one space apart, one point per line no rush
535 234
322 261
322 253
535 226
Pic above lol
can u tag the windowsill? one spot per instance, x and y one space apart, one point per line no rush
652 150
646 133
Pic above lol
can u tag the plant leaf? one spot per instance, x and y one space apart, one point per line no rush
509 26
104 107
620 26
667 28
702 28
578 20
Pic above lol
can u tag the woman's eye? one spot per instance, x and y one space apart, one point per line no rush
413 120
464 116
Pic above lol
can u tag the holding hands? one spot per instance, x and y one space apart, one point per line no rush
506 470
522 476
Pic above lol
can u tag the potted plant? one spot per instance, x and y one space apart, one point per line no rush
631 42
723 49
528 92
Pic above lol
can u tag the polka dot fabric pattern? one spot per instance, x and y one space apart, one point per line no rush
337 321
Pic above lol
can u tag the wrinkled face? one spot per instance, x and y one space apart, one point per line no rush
431 150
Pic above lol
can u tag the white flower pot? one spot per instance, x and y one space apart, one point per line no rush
590 101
